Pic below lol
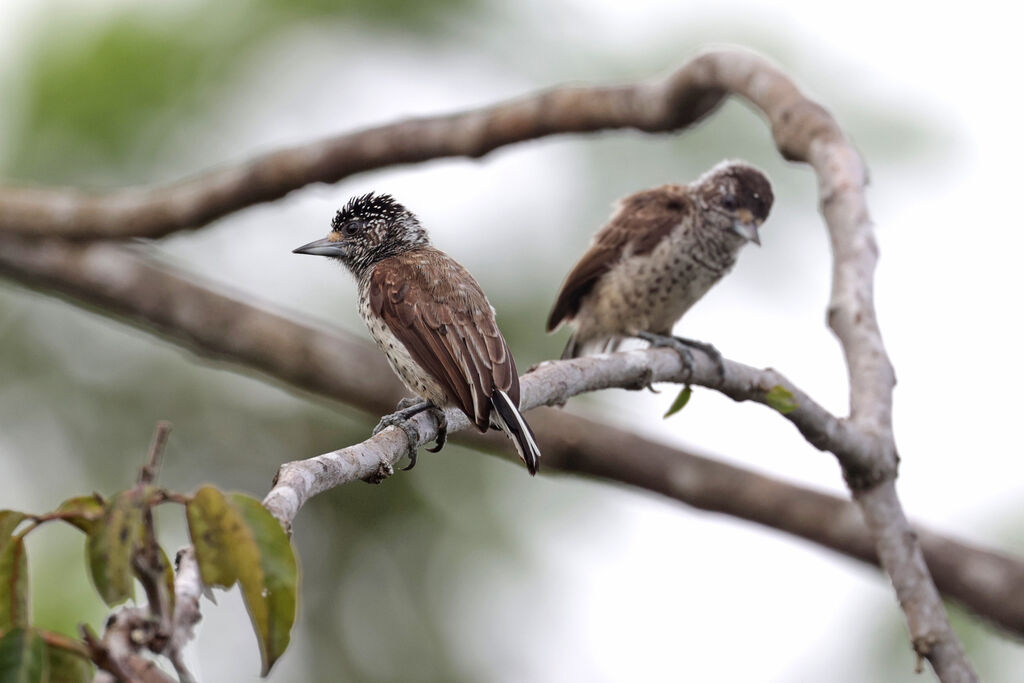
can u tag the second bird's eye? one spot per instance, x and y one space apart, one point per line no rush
351 228
729 202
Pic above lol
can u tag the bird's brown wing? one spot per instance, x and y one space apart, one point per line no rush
642 220
438 311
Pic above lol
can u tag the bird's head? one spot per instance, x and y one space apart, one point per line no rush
737 196
368 230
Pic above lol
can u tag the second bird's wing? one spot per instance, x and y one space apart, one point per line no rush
639 223
438 311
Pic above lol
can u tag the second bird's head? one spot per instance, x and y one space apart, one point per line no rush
736 197
368 230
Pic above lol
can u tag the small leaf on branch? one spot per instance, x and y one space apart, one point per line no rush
111 544
81 511
215 528
681 400
22 657
13 573
782 399
236 539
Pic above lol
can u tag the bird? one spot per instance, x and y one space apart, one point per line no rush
431 319
661 250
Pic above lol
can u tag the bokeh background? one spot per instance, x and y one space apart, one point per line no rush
466 569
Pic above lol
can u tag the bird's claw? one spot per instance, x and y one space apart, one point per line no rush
682 346
401 420
408 408
442 430
710 351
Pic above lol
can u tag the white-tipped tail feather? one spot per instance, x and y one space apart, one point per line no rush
507 416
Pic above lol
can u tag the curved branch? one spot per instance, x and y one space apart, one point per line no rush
675 102
157 298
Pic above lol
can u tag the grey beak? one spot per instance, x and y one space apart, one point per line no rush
747 230
324 247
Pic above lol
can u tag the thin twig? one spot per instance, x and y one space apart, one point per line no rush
147 475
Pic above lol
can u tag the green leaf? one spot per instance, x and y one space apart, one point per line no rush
82 511
9 521
215 528
236 539
681 400
111 544
13 573
781 399
67 667
22 657
270 589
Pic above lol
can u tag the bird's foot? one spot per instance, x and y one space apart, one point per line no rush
682 346
408 408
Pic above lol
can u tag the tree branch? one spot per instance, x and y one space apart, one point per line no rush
173 305
675 102
803 131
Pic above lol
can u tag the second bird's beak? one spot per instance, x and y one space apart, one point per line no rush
746 227
747 231
324 247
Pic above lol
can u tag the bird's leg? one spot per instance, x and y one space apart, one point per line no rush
408 408
411 401
682 346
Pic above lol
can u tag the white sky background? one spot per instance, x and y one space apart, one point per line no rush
667 590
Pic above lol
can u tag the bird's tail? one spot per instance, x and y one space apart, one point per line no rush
507 415
575 348
572 348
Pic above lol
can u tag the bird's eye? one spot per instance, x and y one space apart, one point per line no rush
728 202
351 228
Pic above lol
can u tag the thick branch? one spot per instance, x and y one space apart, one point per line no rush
675 102
118 281
157 298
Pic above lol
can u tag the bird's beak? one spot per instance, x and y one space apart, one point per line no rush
747 230
746 225
324 247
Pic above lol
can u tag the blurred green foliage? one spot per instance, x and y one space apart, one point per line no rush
97 97
88 96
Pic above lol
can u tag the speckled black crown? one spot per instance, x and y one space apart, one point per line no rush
754 189
370 207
